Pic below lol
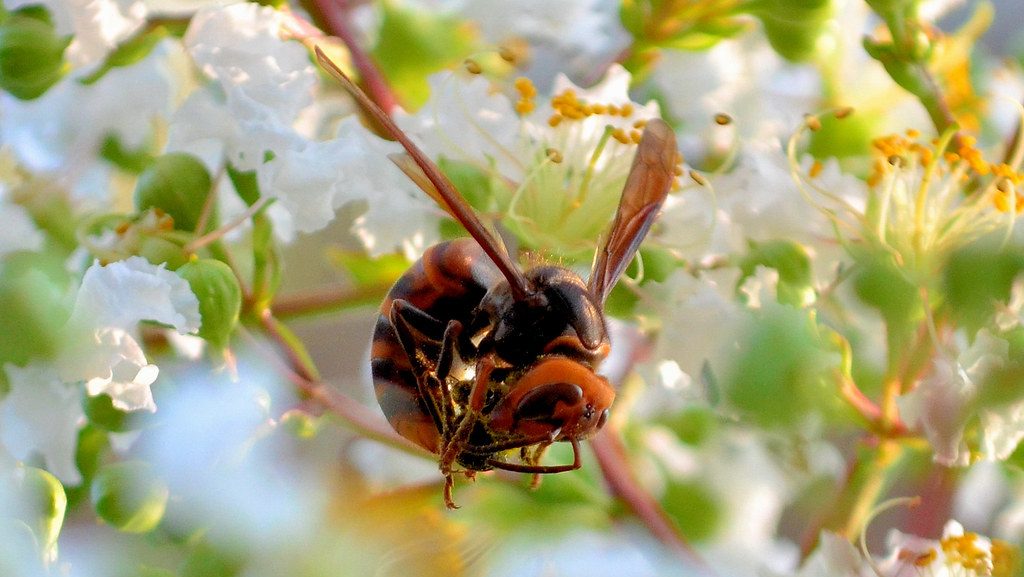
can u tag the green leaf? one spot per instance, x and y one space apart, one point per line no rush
178 184
694 508
133 161
220 298
31 53
782 370
129 496
245 183
365 270
977 278
415 43
792 262
129 52
692 425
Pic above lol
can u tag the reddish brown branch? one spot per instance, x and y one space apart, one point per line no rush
611 456
325 299
333 17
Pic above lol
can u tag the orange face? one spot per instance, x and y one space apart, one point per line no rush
557 394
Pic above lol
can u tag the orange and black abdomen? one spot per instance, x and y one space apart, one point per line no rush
447 283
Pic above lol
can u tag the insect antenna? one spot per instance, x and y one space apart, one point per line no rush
447 196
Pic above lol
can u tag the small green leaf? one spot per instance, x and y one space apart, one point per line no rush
129 52
129 496
133 161
178 184
220 298
792 262
977 278
365 270
694 508
245 183
415 43
31 53
781 371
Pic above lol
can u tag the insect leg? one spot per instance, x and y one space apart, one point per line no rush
541 469
478 394
419 332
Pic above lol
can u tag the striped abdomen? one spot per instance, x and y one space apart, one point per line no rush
447 283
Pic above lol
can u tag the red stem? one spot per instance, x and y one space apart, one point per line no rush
611 456
333 15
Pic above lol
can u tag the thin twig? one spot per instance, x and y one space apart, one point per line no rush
326 299
333 17
611 456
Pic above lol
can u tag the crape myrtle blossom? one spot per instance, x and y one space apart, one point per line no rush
555 167
98 26
100 350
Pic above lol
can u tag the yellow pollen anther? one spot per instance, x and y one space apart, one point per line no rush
677 170
723 119
698 178
626 110
472 66
843 112
913 133
816 168
555 120
640 124
812 122
554 155
620 135
634 135
524 107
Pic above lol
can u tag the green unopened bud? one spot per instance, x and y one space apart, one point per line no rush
31 53
40 504
220 298
129 496
160 251
794 27
178 184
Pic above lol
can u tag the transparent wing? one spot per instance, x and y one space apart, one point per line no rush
649 181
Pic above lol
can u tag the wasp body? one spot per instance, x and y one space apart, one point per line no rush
473 357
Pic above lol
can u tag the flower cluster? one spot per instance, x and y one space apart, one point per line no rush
825 314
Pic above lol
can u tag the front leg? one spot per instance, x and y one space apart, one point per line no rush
453 446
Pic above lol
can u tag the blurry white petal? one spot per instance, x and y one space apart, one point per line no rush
19 231
937 406
41 415
123 293
115 365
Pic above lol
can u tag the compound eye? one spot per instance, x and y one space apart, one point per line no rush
541 403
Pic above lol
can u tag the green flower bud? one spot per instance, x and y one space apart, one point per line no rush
31 53
794 27
160 250
178 184
129 496
220 298
40 503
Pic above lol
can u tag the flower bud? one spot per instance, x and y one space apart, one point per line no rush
40 503
220 298
31 53
794 27
178 184
129 496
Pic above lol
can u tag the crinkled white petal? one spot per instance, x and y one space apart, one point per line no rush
19 231
240 46
937 406
123 293
62 130
565 36
41 415
98 26
466 120
113 364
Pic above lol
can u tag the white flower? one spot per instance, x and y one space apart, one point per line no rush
565 36
100 347
41 415
744 78
241 47
957 554
834 557
943 403
700 324
19 231
98 26
62 131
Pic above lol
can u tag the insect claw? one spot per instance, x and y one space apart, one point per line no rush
449 484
